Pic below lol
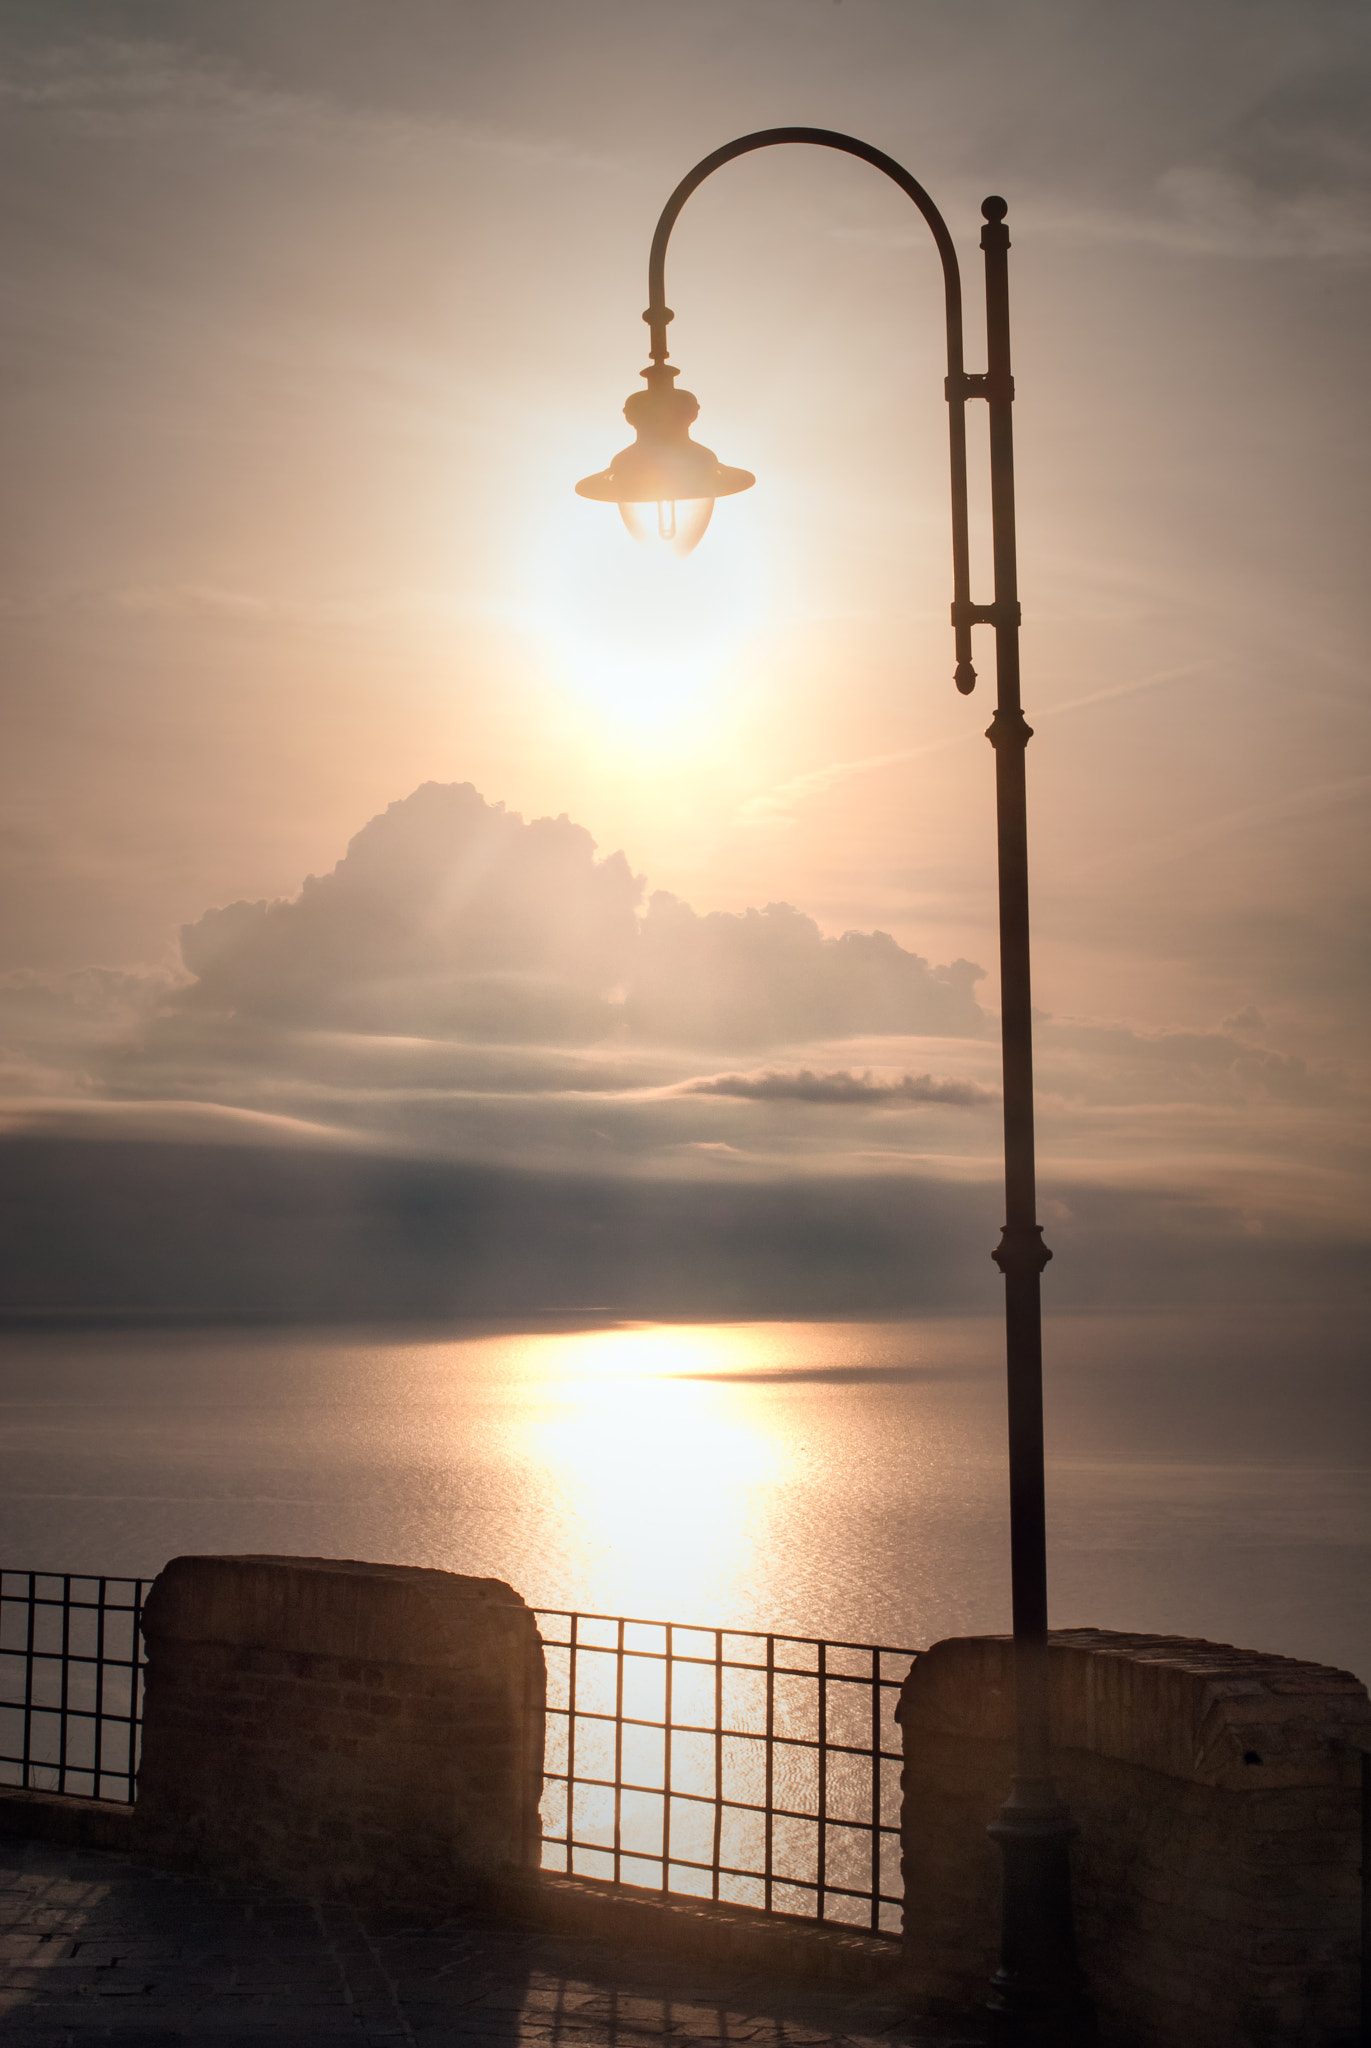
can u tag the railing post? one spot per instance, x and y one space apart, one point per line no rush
98 1747
571 1748
666 1764
135 1683
28 1676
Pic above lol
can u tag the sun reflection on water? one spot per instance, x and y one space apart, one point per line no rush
840 1480
665 1474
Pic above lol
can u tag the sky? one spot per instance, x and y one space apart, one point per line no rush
390 843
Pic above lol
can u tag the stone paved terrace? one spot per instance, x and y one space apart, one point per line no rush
96 1948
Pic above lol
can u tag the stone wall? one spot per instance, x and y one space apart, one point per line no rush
1218 1797
351 1731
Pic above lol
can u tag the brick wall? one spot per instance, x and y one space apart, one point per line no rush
351 1731
1218 1797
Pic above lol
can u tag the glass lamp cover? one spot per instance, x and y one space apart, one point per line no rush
680 522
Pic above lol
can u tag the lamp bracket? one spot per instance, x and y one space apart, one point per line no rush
990 384
964 613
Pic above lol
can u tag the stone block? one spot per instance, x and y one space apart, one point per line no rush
365 1732
1217 1794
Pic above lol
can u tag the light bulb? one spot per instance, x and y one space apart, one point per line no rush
680 522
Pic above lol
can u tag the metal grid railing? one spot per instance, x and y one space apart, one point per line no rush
70 1683
761 1770
723 1764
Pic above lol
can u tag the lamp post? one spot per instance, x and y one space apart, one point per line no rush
667 483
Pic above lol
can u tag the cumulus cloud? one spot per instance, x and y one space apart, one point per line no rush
450 917
765 977
840 1087
447 916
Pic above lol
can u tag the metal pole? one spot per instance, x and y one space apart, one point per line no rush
1037 1992
1038 1996
1363 2001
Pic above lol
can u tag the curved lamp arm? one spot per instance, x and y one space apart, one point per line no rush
658 315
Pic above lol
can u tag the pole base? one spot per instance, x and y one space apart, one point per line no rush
1064 2023
1038 1997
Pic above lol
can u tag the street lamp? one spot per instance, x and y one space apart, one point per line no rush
666 484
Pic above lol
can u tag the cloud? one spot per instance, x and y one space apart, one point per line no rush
1115 1062
153 71
452 918
1212 210
55 1029
787 799
181 1124
1314 800
447 916
1249 1018
282 1228
766 977
1286 176
840 1087
470 994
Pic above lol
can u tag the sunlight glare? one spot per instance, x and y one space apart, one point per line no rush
642 632
667 1469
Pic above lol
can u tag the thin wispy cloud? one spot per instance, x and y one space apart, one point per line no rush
787 799
1312 801
102 83
840 1088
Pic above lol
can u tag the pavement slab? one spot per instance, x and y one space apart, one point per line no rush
96 1948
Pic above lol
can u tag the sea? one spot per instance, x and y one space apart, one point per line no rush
1207 1470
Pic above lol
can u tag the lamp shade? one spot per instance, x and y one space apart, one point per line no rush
663 465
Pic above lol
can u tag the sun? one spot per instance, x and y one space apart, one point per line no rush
636 630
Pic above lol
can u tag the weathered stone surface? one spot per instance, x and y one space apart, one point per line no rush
58 1817
341 1730
1217 1794
96 1950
